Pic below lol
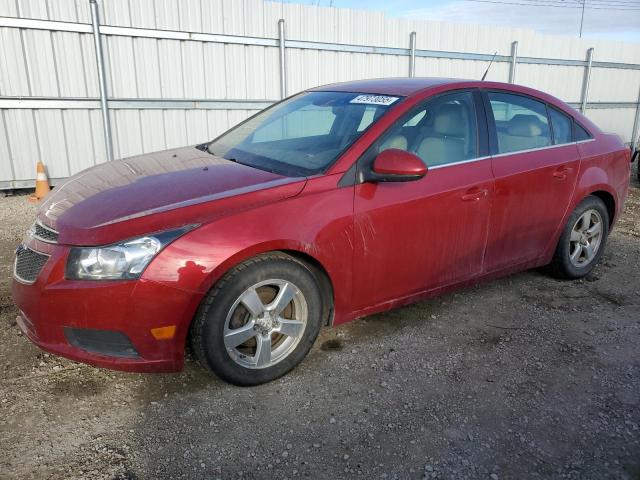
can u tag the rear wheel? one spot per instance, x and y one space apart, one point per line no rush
583 240
260 321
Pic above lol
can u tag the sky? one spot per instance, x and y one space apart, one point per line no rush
607 19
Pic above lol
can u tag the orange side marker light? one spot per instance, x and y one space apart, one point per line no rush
164 333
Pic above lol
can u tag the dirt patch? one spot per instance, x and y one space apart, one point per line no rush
524 377
333 344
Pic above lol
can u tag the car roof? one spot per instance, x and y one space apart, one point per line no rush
394 86
407 86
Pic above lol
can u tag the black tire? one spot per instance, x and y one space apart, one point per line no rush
207 329
561 265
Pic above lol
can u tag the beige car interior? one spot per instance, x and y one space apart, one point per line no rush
448 139
447 134
395 141
444 138
523 132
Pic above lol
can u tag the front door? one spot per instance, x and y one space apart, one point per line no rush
418 235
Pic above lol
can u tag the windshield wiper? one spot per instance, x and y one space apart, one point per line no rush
206 149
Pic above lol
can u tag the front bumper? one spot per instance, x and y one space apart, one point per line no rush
52 307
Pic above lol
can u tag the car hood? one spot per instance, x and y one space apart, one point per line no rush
156 191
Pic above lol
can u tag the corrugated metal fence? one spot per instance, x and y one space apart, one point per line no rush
180 72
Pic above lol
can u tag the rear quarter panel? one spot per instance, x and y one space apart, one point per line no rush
605 166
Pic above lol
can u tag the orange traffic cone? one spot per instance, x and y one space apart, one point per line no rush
42 184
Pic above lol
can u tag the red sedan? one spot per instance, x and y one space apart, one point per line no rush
336 203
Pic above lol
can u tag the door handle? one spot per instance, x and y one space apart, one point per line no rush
474 194
562 172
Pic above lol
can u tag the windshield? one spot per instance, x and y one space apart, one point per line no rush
304 134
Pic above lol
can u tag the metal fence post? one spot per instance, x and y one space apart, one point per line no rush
102 79
636 126
412 54
514 61
283 59
585 81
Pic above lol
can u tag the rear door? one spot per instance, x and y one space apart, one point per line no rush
418 235
535 165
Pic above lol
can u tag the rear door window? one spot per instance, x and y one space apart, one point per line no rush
521 122
580 133
561 124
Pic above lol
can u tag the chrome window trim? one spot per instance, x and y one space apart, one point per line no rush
498 155
15 266
547 147
585 141
44 227
461 162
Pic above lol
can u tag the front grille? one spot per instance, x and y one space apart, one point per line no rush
45 233
28 264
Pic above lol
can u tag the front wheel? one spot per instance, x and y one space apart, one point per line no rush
259 321
583 240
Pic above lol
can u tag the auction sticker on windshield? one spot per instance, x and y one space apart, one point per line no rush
374 99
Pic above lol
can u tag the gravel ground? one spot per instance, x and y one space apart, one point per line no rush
524 377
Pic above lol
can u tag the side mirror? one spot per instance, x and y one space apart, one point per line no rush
395 165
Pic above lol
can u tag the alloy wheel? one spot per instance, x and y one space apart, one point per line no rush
586 237
265 324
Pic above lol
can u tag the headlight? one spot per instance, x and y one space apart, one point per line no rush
122 261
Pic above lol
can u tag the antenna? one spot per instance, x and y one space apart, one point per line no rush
487 70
